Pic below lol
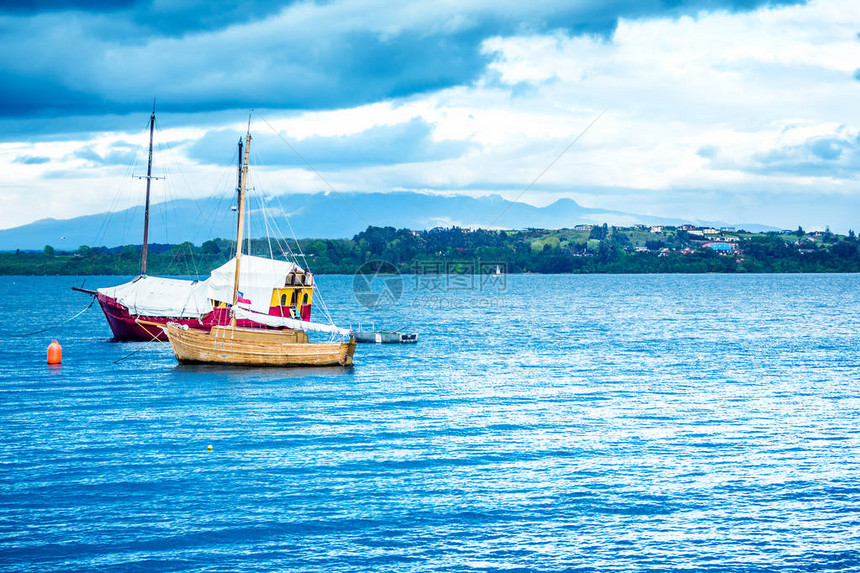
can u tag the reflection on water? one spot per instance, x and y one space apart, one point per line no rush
274 374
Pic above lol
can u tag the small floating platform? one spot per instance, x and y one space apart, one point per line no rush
384 336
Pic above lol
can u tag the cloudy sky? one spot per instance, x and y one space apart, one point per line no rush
736 110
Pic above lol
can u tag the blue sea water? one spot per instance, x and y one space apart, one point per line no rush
549 423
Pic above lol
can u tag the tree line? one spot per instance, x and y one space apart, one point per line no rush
601 249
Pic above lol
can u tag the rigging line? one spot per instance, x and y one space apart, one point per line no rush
261 200
342 198
262 207
213 214
275 230
250 193
281 238
285 246
142 347
102 230
169 213
266 223
208 216
126 177
286 240
248 223
160 217
56 325
201 213
319 296
547 168
193 261
323 305
180 263
131 214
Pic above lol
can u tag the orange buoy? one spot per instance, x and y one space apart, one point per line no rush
55 352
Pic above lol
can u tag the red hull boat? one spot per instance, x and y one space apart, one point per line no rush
278 288
138 328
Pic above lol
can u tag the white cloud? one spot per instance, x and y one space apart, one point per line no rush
672 86
708 116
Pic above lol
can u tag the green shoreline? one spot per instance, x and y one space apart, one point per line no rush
601 249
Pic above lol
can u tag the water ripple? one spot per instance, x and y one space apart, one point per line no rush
585 423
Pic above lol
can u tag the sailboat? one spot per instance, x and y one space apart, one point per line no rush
235 345
135 310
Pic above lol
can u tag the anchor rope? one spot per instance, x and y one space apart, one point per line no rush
142 346
56 325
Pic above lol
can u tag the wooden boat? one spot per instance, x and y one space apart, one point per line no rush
256 347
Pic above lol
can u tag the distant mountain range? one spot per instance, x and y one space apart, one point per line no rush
318 215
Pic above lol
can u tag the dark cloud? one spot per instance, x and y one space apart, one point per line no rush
36 6
707 151
89 58
67 174
84 126
830 156
280 71
827 148
822 156
409 142
23 96
31 160
172 19
119 154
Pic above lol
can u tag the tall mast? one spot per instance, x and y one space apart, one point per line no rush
239 182
243 177
239 177
148 182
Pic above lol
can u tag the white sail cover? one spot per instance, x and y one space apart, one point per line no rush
293 323
157 296
257 278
